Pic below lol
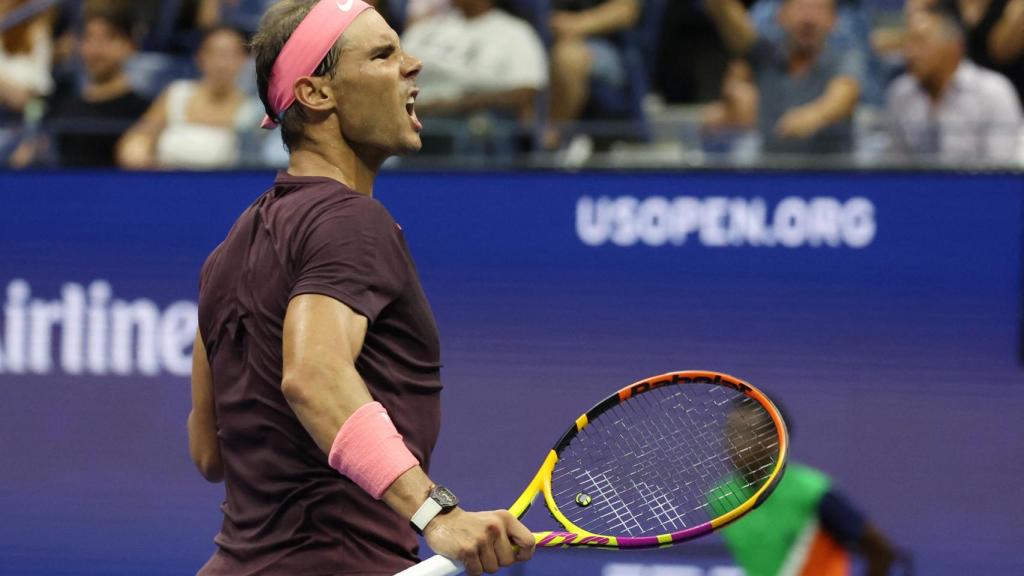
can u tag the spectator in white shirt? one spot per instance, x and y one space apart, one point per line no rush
477 57
946 108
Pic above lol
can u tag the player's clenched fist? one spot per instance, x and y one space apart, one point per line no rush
482 541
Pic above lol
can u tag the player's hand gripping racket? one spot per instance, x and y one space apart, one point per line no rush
664 460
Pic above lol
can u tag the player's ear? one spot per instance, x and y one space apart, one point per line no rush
314 94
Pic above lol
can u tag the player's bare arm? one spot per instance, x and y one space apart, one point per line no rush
322 339
202 420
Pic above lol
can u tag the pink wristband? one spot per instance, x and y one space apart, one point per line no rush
369 451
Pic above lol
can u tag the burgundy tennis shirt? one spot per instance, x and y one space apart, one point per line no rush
286 511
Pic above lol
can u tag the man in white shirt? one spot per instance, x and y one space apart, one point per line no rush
946 108
477 57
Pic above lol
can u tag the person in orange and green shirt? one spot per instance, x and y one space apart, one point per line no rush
806 527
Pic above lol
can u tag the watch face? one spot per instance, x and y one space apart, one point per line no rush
444 497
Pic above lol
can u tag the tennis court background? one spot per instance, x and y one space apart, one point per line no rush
894 351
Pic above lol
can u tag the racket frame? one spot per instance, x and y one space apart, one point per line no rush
574 536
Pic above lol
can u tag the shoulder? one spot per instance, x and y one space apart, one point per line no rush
324 203
841 56
250 112
807 479
901 88
177 89
989 82
63 95
765 50
499 17
429 24
358 206
514 24
136 102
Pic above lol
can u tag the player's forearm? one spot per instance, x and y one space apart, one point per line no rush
203 444
1007 40
734 24
407 493
323 397
203 447
612 16
324 404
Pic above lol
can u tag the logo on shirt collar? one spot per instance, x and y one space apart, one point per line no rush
344 6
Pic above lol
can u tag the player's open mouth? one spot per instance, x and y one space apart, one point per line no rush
410 109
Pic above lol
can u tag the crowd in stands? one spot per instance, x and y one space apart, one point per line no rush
147 84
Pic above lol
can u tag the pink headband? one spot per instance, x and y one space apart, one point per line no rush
306 48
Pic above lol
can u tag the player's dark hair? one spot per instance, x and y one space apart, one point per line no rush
276 27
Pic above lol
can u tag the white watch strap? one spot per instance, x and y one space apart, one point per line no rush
426 513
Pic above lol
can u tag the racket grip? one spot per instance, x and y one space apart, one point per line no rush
434 566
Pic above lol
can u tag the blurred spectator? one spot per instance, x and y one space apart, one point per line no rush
26 54
477 57
585 50
807 90
851 31
737 109
417 10
85 122
195 123
995 36
946 107
807 526
245 15
214 13
384 8
692 58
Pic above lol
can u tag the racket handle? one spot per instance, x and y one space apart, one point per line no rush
434 566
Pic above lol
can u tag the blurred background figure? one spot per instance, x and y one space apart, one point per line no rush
691 57
995 36
946 107
417 10
243 15
195 124
586 57
807 89
478 61
807 526
26 54
85 117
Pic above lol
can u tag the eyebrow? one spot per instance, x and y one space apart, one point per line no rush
383 46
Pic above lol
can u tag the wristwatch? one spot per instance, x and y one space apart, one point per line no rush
440 501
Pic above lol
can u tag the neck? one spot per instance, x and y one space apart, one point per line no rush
937 85
800 58
108 89
475 11
218 92
342 164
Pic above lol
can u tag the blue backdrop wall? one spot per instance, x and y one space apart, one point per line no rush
882 310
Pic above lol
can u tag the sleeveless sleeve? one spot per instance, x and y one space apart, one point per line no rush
178 94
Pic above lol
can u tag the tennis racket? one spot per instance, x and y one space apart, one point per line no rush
667 459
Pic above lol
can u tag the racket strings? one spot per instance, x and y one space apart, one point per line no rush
665 460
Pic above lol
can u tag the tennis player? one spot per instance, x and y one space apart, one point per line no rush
315 380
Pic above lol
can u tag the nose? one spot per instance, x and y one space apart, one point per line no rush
411 66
